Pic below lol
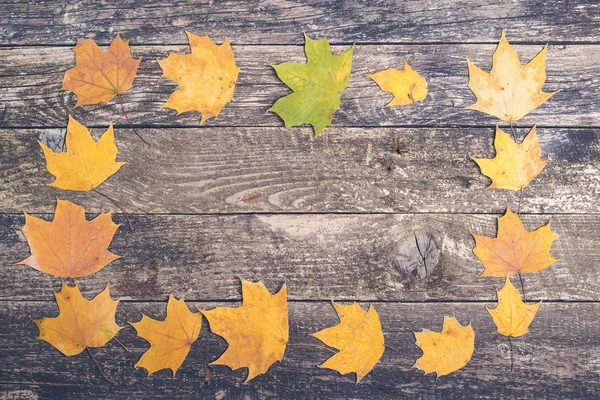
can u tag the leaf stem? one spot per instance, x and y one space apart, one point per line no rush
401 353
98 366
512 129
519 273
122 345
520 200
129 122
522 286
311 345
512 360
116 205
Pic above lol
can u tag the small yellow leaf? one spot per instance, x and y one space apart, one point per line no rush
81 323
515 165
358 337
257 331
510 90
446 351
98 75
206 77
406 85
515 249
70 245
512 316
170 340
86 163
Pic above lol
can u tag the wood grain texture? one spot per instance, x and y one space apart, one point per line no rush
32 77
233 170
242 196
283 21
358 257
561 351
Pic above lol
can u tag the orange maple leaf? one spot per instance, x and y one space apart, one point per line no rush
70 246
86 163
81 323
170 340
515 165
515 249
98 76
359 338
206 77
257 332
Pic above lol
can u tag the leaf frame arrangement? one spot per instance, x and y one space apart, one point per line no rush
257 332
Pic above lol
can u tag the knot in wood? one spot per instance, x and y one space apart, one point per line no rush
417 254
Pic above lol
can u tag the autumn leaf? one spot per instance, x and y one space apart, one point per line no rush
170 340
515 165
70 246
406 85
358 337
86 163
81 323
317 85
98 75
510 90
515 249
446 351
512 316
257 331
206 77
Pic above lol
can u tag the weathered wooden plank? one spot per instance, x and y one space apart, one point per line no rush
361 257
283 21
557 359
275 169
31 81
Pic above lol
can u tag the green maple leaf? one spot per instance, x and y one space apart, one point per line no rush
317 85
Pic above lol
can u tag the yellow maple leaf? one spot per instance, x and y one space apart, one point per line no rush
510 90
86 163
206 77
446 351
170 340
257 331
81 323
515 165
515 249
358 337
70 246
512 316
406 85
98 75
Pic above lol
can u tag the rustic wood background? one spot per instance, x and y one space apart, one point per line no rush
243 197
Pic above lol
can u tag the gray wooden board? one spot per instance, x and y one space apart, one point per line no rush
32 78
358 257
232 170
283 21
205 186
560 355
